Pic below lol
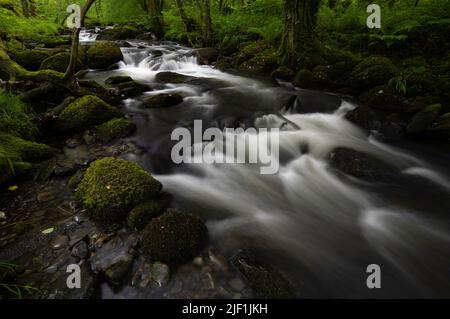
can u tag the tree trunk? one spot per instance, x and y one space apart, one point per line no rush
299 23
25 8
205 17
155 8
71 69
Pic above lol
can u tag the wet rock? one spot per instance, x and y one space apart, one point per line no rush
237 284
207 55
80 250
59 242
118 79
172 77
75 180
174 237
264 280
283 73
2 215
121 32
117 271
112 187
362 116
160 274
360 165
46 197
132 88
424 119
163 100
103 54
303 78
32 59
89 137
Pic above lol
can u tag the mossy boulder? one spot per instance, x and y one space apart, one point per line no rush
20 150
32 59
103 54
424 119
59 62
163 100
141 215
75 180
207 55
283 73
263 279
114 129
381 98
172 77
111 187
441 128
174 237
304 78
85 113
371 72
261 63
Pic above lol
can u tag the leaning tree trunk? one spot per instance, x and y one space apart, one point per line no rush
299 23
71 69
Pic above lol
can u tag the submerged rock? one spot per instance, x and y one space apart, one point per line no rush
363 117
103 54
172 77
207 55
118 79
360 165
174 237
264 280
111 187
84 113
132 88
163 100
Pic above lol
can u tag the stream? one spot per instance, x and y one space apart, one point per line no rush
321 228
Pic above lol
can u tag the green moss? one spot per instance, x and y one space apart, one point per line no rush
263 62
371 72
85 113
19 150
58 62
15 118
174 237
31 59
144 212
381 98
111 187
303 78
103 54
424 119
115 128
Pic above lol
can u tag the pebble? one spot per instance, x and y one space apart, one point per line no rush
45 197
59 242
2 215
160 274
237 284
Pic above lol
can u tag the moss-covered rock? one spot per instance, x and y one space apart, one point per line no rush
174 237
283 73
85 113
114 129
304 78
262 63
20 150
441 128
112 187
163 100
59 62
103 54
32 59
371 72
264 280
75 180
424 119
381 98
141 215
207 55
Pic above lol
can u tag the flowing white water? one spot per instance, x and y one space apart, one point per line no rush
332 227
